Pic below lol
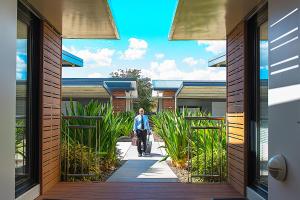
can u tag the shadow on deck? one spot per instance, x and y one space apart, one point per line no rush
79 190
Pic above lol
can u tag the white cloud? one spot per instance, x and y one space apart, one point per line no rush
99 58
21 68
167 70
95 75
159 56
136 50
135 43
191 61
213 46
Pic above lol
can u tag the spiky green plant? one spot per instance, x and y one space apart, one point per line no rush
20 135
173 129
207 147
126 125
99 143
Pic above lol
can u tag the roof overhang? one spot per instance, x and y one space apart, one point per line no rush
88 91
98 87
202 90
78 18
218 61
70 60
129 87
208 19
166 85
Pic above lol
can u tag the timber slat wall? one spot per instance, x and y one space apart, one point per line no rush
236 108
50 107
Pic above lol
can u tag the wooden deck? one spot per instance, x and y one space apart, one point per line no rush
86 191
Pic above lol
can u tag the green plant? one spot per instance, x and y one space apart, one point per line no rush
126 125
20 135
94 145
207 146
208 150
173 129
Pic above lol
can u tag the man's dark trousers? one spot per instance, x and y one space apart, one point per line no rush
141 137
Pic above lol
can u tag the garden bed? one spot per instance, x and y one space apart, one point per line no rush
105 175
182 174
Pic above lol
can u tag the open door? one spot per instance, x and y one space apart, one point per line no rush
284 95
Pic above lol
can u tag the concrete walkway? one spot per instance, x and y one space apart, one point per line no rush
143 169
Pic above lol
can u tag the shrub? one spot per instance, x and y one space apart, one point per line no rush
93 150
173 129
126 124
206 146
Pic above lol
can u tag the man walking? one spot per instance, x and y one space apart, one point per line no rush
141 128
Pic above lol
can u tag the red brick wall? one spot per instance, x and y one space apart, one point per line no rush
169 103
119 105
50 81
236 108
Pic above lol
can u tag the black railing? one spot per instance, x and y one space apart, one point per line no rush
207 152
80 147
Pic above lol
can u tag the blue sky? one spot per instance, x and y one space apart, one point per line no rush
143 27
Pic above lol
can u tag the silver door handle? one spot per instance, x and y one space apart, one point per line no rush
277 167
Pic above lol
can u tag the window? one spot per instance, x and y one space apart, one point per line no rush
258 110
26 142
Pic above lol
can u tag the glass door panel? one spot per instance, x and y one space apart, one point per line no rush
262 131
21 148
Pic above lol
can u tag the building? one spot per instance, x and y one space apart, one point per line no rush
262 51
262 61
32 32
120 92
194 96
68 60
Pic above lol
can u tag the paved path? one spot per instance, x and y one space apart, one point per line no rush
143 169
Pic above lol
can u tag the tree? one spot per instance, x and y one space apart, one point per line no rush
143 87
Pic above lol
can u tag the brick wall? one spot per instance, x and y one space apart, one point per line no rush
50 94
119 104
168 103
236 108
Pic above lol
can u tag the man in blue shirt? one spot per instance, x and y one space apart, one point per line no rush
141 128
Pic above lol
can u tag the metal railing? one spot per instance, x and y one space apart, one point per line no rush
80 147
207 152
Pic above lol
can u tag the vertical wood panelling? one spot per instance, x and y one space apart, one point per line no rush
236 90
50 106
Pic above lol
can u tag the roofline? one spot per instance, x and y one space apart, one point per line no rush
75 61
111 19
102 83
218 61
102 79
106 88
164 89
175 18
206 83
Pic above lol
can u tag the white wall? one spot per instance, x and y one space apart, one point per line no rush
284 95
218 108
8 35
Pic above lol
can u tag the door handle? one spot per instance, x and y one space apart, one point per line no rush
277 167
